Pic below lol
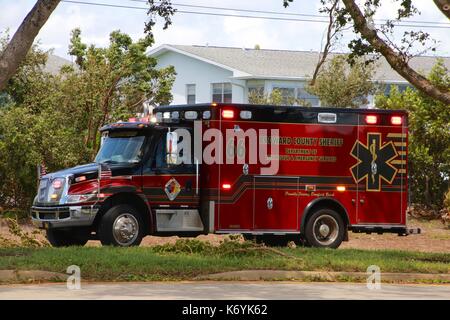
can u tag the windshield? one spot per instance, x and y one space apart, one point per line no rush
121 147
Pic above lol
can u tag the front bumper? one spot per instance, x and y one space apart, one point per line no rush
63 216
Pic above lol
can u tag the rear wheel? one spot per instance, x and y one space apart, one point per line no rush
67 237
325 229
121 226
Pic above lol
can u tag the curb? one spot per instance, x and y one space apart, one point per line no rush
30 276
278 275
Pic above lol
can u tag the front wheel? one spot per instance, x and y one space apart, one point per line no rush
121 226
67 237
325 229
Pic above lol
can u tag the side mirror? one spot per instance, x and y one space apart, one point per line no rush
171 148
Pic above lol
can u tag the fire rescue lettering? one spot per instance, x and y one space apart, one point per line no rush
374 162
301 154
304 141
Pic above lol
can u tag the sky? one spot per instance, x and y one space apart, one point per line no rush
96 22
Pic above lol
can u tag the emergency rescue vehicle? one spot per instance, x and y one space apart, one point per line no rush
338 170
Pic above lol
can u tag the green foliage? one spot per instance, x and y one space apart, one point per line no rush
429 139
112 83
54 119
274 98
341 85
447 200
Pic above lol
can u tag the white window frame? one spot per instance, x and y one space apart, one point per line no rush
187 92
222 92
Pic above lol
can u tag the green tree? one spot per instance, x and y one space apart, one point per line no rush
112 83
429 139
16 49
274 98
54 119
340 85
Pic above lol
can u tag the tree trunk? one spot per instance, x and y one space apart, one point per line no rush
21 42
393 58
444 6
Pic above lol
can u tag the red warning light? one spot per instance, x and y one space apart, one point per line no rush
396 120
371 119
226 186
228 114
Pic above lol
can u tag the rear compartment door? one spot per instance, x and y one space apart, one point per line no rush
381 171
275 203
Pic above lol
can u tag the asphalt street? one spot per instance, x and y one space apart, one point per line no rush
224 290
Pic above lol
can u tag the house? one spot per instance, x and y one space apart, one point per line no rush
222 74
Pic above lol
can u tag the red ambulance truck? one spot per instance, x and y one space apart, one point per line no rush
272 173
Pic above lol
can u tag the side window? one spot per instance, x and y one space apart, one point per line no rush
169 155
159 161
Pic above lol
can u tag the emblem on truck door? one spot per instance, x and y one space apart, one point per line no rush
374 162
172 189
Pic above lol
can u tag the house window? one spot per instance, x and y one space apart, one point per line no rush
221 92
256 91
287 94
190 93
310 99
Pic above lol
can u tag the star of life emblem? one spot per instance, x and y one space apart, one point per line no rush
172 189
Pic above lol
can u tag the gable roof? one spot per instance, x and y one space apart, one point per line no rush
282 64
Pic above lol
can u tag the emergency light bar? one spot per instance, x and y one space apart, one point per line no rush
371 119
396 120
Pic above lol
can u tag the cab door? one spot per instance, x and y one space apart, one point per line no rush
167 179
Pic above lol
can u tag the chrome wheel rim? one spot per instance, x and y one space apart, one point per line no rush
325 229
125 229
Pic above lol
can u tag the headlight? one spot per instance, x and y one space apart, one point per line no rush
77 198
56 189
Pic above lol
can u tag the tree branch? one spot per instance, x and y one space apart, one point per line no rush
444 6
332 30
395 59
21 42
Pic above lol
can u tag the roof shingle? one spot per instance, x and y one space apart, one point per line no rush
291 64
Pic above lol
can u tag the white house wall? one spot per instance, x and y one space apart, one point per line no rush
193 71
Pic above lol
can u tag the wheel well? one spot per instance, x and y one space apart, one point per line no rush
323 203
129 198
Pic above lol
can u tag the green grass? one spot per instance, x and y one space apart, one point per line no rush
175 262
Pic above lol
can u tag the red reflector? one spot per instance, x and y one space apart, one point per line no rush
226 186
371 119
228 114
396 120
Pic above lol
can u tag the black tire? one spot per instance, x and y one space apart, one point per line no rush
329 236
133 227
67 237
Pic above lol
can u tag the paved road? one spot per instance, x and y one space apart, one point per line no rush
224 290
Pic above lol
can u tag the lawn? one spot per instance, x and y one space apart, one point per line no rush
188 259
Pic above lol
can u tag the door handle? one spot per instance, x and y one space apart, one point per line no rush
362 201
269 203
